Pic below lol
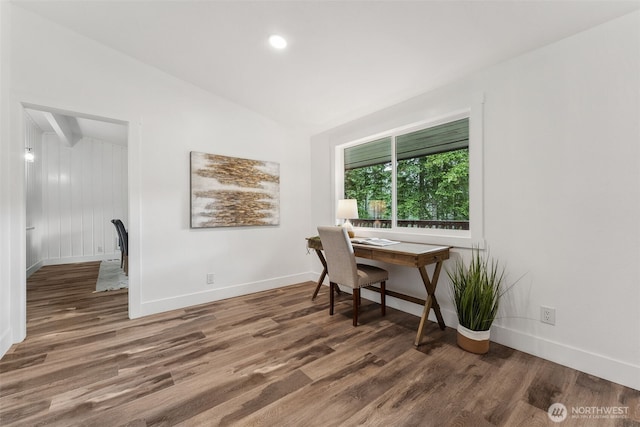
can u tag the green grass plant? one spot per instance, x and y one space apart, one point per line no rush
476 290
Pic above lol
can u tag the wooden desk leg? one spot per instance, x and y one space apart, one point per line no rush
322 276
431 301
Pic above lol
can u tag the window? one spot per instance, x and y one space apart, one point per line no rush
368 179
432 177
415 179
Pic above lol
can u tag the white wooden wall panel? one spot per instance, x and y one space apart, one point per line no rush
33 186
97 196
108 197
75 179
65 211
51 189
85 187
118 169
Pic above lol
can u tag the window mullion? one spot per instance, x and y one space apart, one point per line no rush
394 193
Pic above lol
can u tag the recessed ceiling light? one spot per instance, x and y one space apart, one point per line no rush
278 42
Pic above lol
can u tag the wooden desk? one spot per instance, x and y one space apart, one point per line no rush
407 254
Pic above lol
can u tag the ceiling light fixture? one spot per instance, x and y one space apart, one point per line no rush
277 42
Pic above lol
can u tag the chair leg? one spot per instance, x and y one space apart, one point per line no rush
126 265
356 299
383 300
331 289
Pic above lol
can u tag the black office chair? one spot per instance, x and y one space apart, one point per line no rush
123 238
120 244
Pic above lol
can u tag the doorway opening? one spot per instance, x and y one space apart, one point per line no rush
76 183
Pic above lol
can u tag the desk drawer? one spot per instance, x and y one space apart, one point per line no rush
390 257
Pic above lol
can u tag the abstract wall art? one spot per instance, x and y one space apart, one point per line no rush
233 192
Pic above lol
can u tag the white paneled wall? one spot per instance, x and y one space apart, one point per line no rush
84 187
33 185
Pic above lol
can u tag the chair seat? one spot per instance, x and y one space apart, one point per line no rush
369 274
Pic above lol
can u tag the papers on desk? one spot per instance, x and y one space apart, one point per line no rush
374 241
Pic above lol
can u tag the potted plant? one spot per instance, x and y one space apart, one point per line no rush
476 290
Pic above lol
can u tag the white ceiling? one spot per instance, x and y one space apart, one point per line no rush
74 127
344 59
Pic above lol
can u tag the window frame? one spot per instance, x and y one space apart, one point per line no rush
474 237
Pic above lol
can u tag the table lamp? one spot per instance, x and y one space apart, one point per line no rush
348 209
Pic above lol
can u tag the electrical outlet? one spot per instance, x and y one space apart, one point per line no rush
99 249
548 315
210 278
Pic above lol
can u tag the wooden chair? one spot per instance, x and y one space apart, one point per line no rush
343 270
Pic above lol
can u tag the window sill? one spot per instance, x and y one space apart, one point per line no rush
453 238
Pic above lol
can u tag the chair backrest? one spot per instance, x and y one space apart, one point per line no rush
122 235
341 261
114 222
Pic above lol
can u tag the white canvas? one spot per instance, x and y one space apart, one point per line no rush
232 192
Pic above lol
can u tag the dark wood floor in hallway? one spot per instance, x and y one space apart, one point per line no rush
273 358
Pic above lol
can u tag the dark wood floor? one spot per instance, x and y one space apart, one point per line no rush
270 359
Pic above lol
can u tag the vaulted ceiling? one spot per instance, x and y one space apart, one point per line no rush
344 58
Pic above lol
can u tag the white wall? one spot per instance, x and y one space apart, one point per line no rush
85 187
33 197
9 264
54 67
561 194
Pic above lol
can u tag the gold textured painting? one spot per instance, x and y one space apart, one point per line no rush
232 192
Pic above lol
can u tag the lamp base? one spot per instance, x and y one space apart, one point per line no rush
347 224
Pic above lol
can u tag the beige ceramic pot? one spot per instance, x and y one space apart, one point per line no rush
473 341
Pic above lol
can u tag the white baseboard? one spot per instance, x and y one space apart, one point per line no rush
35 267
73 260
167 304
591 363
5 342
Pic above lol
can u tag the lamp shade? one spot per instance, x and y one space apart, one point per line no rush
347 209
